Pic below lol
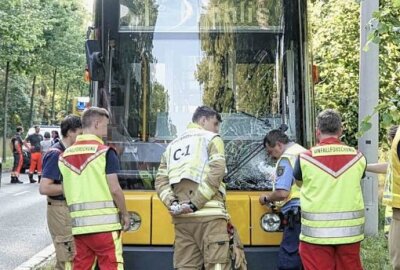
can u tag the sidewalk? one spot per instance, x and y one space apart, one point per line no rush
38 260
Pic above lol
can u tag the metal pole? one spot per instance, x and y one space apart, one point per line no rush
368 99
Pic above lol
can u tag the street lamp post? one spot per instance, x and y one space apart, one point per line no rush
368 99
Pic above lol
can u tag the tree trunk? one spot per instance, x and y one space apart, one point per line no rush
54 94
5 98
66 99
31 105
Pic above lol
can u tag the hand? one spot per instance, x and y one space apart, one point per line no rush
177 209
262 199
126 222
240 260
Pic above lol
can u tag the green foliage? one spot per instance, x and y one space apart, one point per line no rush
335 33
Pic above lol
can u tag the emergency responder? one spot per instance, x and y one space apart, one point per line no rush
391 198
189 183
36 154
331 199
93 194
286 195
382 168
16 145
58 218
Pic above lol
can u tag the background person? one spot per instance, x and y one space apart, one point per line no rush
55 137
331 199
58 218
91 188
286 195
46 143
16 147
36 154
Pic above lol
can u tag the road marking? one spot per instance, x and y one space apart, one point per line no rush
20 193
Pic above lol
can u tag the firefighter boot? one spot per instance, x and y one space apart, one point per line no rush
39 178
13 180
31 178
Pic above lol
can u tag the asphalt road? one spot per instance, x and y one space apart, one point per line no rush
23 225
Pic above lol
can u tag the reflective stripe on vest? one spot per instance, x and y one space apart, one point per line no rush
291 154
86 188
391 192
332 216
91 206
337 232
332 201
95 220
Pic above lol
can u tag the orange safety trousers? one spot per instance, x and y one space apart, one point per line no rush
36 163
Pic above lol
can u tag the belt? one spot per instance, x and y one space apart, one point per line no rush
57 202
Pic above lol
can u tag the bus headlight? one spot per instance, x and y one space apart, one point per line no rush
270 222
136 221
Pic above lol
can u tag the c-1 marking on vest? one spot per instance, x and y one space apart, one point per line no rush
178 156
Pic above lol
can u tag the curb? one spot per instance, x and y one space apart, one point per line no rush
39 259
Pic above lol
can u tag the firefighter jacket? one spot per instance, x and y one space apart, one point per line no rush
391 192
85 186
331 197
192 169
291 155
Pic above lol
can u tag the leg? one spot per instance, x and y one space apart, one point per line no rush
394 234
39 166
84 257
59 223
32 167
316 257
347 257
288 257
108 249
187 254
215 245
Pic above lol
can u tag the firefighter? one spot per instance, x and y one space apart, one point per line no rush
285 195
189 183
16 145
93 194
36 154
331 199
58 219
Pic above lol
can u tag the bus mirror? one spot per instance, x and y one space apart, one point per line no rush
95 60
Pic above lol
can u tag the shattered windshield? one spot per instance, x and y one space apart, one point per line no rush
166 66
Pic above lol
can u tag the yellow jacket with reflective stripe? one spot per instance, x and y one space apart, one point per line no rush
83 167
332 201
391 192
192 168
291 154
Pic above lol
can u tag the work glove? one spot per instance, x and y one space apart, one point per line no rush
239 258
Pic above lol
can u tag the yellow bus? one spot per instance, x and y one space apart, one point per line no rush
152 62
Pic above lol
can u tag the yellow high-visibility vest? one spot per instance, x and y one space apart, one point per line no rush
291 154
85 186
391 192
332 201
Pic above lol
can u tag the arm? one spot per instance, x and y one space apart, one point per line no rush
163 188
112 167
119 199
377 167
284 181
213 180
51 172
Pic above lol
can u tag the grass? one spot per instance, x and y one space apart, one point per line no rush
48 266
374 249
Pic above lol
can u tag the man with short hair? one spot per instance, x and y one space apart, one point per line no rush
286 195
331 199
16 145
58 218
36 154
189 183
93 194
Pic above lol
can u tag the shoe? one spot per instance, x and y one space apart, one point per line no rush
32 181
19 182
13 180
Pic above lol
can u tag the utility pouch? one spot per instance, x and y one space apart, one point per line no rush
65 248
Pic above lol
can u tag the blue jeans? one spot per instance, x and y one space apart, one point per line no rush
288 256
